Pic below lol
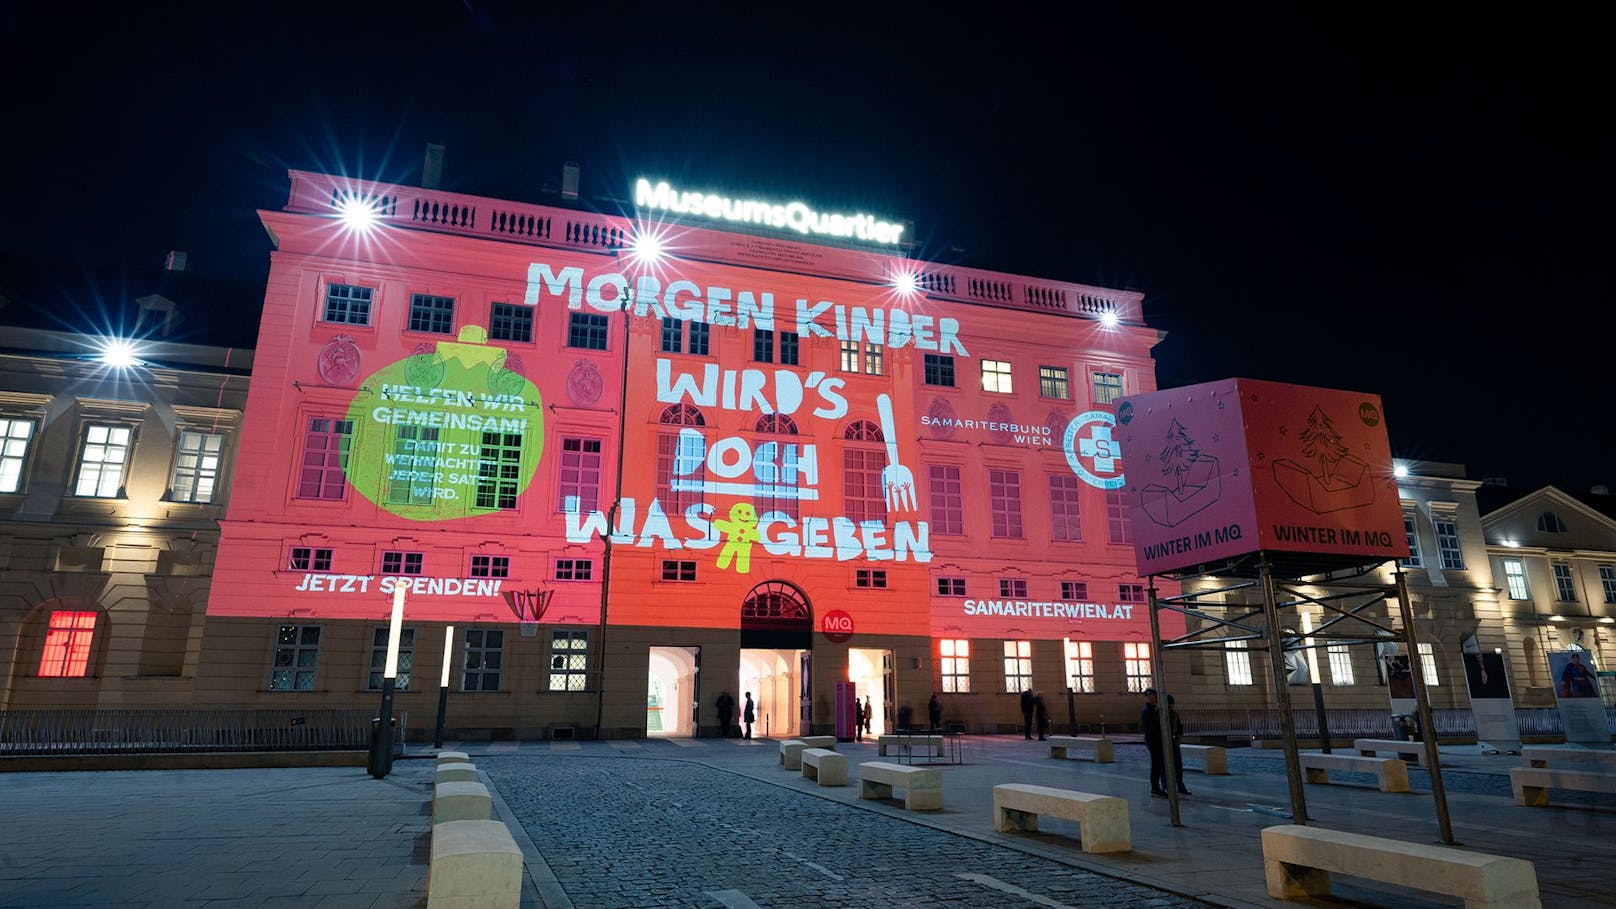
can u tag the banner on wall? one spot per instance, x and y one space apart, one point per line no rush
1576 693
1491 703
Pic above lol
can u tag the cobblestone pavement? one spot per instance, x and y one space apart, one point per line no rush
668 833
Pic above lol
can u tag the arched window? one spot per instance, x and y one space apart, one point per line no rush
1549 522
776 463
681 465
776 614
863 431
682 414
863 494
777 423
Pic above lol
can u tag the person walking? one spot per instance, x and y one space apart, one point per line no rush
748 714
934 712
1040 712
1176 726
1150 725
1026 713
726 712
858 719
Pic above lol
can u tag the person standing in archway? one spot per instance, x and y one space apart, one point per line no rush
934 713
748 715
726 712
867 714
1026 713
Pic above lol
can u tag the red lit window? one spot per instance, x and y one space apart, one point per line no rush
580 473
680 461
864 499
1066 525
67 645
1004 489
1116 517
325 459
947 499
777 465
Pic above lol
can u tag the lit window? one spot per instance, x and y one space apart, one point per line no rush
1515 576
1607 580
1237 660
1130 593
874 359
569 660
1080 666
1565 588
399 562
1065 517
789 346
196 466
947 499
484 659
1107 387
996 376
586 330
873 578
347 304
431 313
1004 495
580 473
938 369
378 658
14 438
850 356
1017 666
323 472
1074 591
490 566
1340 664
1116 518
763 345
1136 666
1428 665
1013 587
1447 544
951 587
956 665
575 569
297 653
1052 382
102 461
308 558
678 570
510 322
415 460
499 470
67 645
1413 560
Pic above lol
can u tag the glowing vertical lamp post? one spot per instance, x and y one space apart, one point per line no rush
443 685
381 738
1318 683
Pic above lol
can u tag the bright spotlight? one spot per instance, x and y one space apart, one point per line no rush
116 353
1400 471
646 249
907 283
357 214
1109 318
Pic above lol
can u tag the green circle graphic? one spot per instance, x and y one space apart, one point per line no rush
447 433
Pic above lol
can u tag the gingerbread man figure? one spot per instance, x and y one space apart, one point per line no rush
740 533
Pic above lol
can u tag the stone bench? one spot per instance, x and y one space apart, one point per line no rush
933 743
1214 758
473 864
456 772
791 753
1391 772
824 765
453 757
1565 756
1298 862
1532 784
461 802
818 741
1099 746
922 786
1413 752
1102 819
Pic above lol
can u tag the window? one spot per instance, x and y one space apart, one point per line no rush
1052 382
196 466
864 496
297 652
678 570
1116 518
1237 662
1004 492
431 313
1130 593
67 645
510 322
574 569
1413 560
850 356
499 470
586 330
788 348
1080 666
1565 589
1549 522
580 473
490 566
1107 387
1065 518
1340 664
1136 666
569 660
1515 576
323 472
947 499
410 479
378 658
1428 665
871 363
347 304
874 578
398 562
996 376
700 337
763 345
1013 587
1074 591
102 460
484 658
1607 580
956 665
673 336
778 466
680 460
14 437
1447 544
307 558
874 359
1017 666
951 587
939 370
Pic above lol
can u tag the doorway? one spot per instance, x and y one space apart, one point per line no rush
776 680
672 692
870 671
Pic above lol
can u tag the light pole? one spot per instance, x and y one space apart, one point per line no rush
381 737
443 684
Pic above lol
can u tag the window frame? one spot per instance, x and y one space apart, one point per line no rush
369 302
587 331
936 368
1449 553
1080 666
1104 392
9 453
429 310
1005 505
1017 666
870 578
998 377
568 667
474 660
1013 588
1138 672
514 315
1074 591
1065 508
954 665
1515 581
950 586
1048 378
573 477
1237 664
313 555
492 567
376 670
295 649
85 443
678 571
573 570
69 644
343 452
1565 582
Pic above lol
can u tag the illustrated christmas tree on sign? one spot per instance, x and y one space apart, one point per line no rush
1193 482
1342 480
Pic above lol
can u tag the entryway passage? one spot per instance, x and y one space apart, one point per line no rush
671 692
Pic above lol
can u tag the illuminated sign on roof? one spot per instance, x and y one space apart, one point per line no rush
795 216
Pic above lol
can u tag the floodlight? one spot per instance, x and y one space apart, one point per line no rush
118 353
357 214
906 283
1109 318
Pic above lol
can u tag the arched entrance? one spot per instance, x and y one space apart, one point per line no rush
671 692
777 627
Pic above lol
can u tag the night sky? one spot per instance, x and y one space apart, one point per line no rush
1415 208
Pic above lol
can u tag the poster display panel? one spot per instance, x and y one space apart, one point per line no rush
1491 703
1576 693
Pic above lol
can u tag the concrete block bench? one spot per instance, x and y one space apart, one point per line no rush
474 864
1391 773
1214 758
461 802
818 741
1532 784
1570 757
932 743
1097 745
825 766
1298 862
791 753
456 772
1102 819
922 786
453 757
1413 752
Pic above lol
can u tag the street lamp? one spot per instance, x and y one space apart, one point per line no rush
381 737
443 684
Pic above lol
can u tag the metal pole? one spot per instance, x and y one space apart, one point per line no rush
1422 703
1162 707
1071 709
1282 695
611 519
443 685
381 740
1322 717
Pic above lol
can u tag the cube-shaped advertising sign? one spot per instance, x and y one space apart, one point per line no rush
1237 466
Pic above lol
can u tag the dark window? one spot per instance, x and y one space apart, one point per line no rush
673 335
763 345
586 330
574 569
700 333
431 313
788 348
499 470
396 562
484 658
939 370
305 558
348 304
1074 590
485 566
1131 593
509 322
870 577
676 570
1013 587
951 587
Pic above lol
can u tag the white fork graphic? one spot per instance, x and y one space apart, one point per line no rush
896 479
